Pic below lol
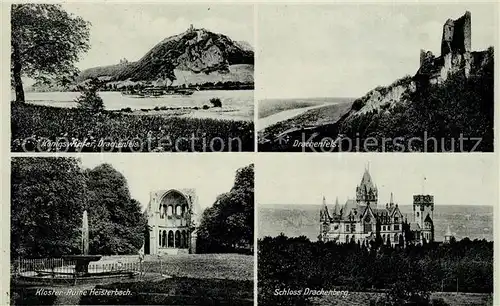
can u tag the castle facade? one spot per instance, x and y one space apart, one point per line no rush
171 220
362 220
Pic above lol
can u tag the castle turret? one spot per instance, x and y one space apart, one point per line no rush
366 192
336 208
324 214
423 215
448 235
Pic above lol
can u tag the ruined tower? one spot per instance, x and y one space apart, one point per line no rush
457 35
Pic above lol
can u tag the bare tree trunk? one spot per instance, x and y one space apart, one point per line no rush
18 82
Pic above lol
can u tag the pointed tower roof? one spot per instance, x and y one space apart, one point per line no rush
336 208
448 231
324 214
392 199
366 181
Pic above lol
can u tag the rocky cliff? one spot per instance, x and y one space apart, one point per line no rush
192 54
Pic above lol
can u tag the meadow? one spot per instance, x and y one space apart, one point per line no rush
37 128
190 279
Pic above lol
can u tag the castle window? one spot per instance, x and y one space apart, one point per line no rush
177 239
417 214
170 239
347 227
162 211
396 227
336 227
353 227
368 227
164 239
383 227
170 210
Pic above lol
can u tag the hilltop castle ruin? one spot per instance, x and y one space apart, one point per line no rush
456 55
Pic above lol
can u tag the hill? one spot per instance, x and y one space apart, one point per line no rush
195 56
447 105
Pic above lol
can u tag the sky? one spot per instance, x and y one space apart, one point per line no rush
453 179
345 50
129 30
210 174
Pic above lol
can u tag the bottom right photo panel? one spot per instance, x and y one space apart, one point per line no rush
376 229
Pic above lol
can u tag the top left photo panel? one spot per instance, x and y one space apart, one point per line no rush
99 77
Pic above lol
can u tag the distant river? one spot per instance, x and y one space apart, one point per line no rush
236 103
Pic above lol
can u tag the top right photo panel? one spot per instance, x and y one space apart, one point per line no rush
376 78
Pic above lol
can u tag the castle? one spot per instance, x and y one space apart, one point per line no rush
456 55
360 220
171 220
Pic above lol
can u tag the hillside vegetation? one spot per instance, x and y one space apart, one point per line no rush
195 52
406 116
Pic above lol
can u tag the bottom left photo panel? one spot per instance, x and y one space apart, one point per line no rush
132 229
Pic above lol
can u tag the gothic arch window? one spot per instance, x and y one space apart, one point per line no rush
170 210
170 239
159 238
163 239
183 210
177 239
162 211
178 210
186 239
181 245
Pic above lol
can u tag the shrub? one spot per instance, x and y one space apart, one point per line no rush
216 102
156 108
206 106
89 99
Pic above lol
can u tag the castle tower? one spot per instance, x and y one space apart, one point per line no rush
423 215
324 215
448 235
366 191
336 208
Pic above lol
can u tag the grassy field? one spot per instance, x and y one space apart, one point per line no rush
197 279
220 266
364 298
37 128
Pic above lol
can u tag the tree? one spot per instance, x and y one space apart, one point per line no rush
45 43
89 98
47 200
115 219
228 224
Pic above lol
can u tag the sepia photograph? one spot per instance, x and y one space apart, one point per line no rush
377 229
126 229
132 77
415 77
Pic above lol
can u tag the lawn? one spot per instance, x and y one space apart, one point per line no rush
38 128
206 266
194 279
